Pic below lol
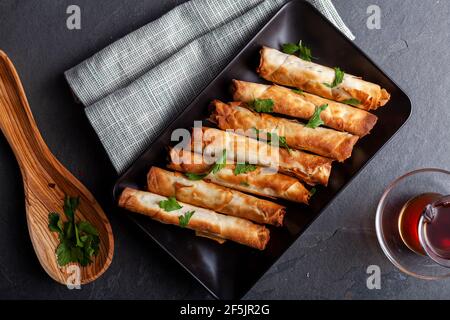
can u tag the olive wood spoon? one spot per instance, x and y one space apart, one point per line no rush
46 182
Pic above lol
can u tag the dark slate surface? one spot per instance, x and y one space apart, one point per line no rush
328 261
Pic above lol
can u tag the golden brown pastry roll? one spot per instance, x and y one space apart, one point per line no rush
259 181
338 116
310 168
214 197
325 142
204 221
292 71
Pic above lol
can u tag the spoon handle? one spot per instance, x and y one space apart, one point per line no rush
16 120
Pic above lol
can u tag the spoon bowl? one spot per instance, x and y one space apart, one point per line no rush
46 182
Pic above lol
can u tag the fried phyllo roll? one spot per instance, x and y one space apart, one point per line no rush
257 180
302 105
325 142
290 70
203 221
211 196
310 168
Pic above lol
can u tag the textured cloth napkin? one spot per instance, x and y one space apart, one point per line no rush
135 86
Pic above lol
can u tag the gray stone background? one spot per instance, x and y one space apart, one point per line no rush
328 262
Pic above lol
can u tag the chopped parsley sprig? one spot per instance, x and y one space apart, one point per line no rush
242 168
79 241
338 78
315 120
219 165
272 137
262 105
184 219
300 49
298 91
171 204
352 102
195 176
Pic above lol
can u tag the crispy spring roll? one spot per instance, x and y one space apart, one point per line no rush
325 142
338 116
214 197
310 168
259 181
292 71
204 221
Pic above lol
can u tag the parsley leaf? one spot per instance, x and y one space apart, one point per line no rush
77 237
353 102
68 230
245 184
64 253
273 136
315 120
262 105
297 91
289 48
338 78
87 228
281 140
70 205
91 245
243 168
195 176
79 242
303 51
312 192
184 219
170 204
220 163
54 223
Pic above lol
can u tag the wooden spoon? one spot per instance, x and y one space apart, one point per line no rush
46 182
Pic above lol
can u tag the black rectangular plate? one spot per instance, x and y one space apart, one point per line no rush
230 270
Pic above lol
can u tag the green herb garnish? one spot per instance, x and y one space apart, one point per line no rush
315 120
184 219
262 105
195 176
79 242
297 91
170 204
289 48
281 140
219 165
245 184
243 168
54 223
312 192
257 131
303 51
270 137
353 102
338 78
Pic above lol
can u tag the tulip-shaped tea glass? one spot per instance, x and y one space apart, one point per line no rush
413 223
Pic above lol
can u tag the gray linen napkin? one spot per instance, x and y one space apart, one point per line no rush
135 86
